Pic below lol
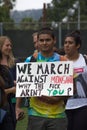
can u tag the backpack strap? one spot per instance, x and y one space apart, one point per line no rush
27 99
33 59
85 59
83 83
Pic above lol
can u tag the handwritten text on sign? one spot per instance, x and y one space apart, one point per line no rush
44 78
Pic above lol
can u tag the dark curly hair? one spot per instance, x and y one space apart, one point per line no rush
76 35
46 30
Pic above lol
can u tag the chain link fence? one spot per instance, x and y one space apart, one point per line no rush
21 35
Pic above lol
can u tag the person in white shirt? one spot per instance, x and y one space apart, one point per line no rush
76 107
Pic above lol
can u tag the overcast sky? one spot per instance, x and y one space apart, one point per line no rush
30 4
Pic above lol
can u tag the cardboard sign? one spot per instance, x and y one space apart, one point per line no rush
44 78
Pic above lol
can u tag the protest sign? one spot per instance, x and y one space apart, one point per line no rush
44 78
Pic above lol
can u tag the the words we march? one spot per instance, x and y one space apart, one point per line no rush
44 78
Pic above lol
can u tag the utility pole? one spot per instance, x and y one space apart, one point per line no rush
44 15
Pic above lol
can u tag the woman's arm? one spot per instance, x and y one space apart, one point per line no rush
10 90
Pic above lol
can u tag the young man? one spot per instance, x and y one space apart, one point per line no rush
45 113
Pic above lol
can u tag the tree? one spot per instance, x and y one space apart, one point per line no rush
58 9
5 7
7 3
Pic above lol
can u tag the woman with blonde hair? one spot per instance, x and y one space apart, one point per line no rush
6 90
9 61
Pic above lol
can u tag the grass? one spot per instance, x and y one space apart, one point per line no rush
22 124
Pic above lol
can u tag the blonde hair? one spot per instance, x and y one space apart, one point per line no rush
10 59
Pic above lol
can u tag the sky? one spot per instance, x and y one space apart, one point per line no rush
30 4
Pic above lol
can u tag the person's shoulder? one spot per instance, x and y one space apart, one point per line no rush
28 59
59 57
83 56
63 58
35 54
32 58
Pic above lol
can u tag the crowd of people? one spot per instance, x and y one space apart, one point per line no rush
44 112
